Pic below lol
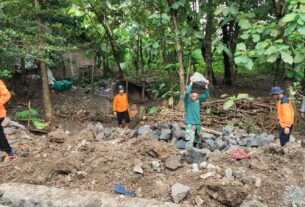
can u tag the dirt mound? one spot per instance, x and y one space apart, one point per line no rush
84 163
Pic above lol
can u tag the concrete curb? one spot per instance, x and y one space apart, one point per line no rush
26 195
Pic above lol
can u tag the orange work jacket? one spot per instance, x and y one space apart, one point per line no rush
120 103
285 112
5 95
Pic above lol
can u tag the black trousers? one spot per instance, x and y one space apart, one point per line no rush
123 116
284 138
4 145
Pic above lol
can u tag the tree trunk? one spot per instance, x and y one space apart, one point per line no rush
141 53
208 42
226 59
43 69
111 41
179 51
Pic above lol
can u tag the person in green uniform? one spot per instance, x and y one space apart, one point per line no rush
192 102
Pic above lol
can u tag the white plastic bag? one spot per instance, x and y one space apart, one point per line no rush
198 77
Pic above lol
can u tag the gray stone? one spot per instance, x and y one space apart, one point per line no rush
266 139
165 134
156 166
98 128
145 130
203 165
253 203
205 151
176 126
179 192
208 175
173 162
132 133
210 143
226 130
239 132
229 173
199 201
138 169
6 122
100 136
194 156
294 195
242 142
107 132
211 166
195 167
252 142
258 182
181 144
219 144
81 174
10 130
207 136
178 134
153 136
164 126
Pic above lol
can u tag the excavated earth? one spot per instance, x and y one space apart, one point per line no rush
78 161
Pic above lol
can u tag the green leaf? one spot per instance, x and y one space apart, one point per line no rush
228 104
233 9
301 30
261 45
241 46
86 23
245 24
40 125
298 58
289 17
219 10
256 37
241 59
155 45
286 57
176 5
274 33
241 96
249 64
226 12
272 58
153 110
271 50
199 35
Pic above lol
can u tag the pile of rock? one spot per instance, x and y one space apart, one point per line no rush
102 133
230 137
175 134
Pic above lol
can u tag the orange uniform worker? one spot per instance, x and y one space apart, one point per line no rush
120 107
285 114
4 145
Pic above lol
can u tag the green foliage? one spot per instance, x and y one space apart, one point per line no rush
275 40
153 110
231 100
31 115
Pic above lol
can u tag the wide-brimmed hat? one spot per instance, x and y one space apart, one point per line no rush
276 90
